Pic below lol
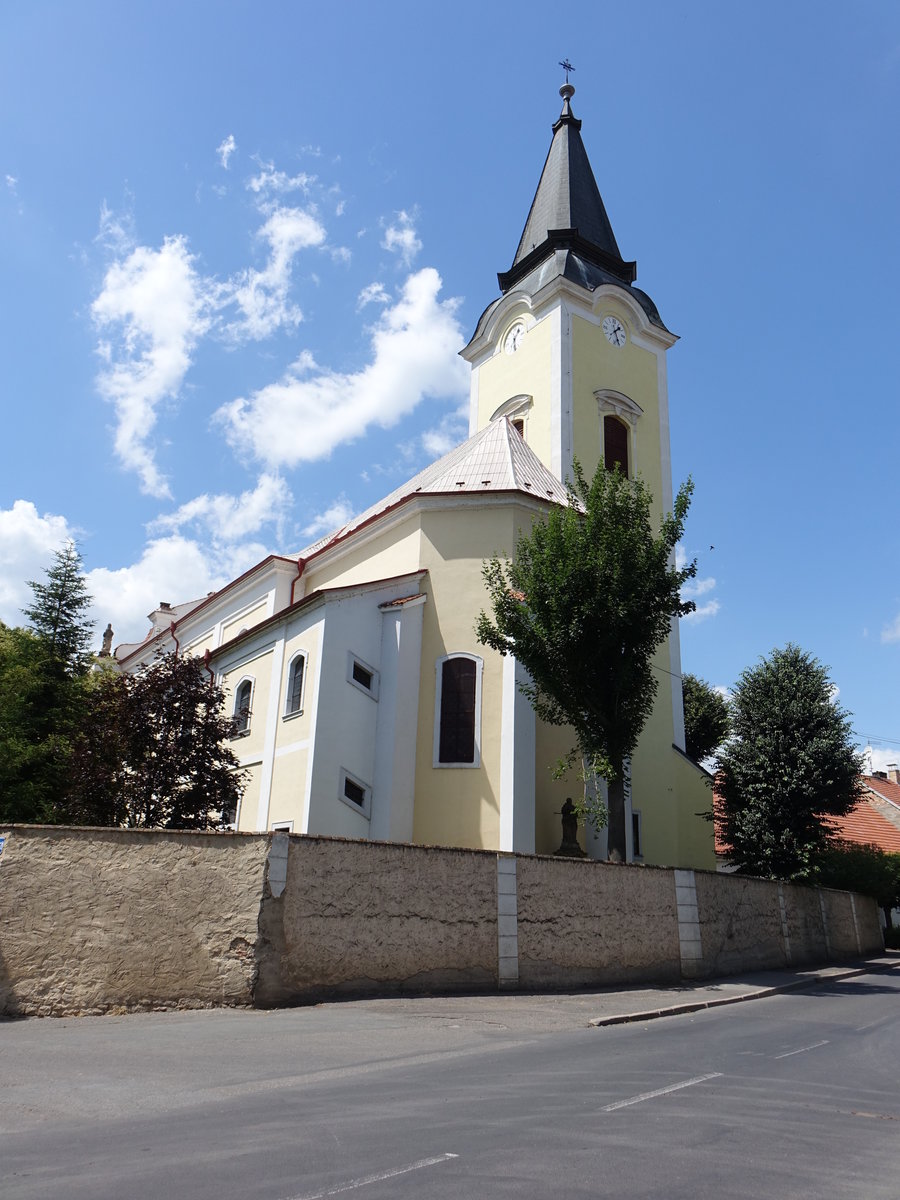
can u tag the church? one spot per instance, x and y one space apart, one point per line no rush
364 706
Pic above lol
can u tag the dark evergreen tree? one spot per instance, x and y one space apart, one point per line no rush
789 764
587 600
705 717
58 613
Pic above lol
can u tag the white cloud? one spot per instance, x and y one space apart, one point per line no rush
372 293
694 588
116 231
175 569
703 611
401 238
697 587
452 429
11 182
278 182
28 541
228 519
262 296
336 515
891 631
305 415
879 759
226 149
155 305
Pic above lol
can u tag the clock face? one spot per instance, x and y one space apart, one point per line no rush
614 330
514 338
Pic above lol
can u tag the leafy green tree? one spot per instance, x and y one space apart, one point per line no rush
789 764
866 869
705 717
588 598
58 613
41 708
155 751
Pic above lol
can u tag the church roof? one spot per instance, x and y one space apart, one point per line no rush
567 212
496 459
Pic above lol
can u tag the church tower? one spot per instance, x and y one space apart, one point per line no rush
572 352
574 355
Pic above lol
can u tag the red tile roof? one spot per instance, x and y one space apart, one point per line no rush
884 787
865 826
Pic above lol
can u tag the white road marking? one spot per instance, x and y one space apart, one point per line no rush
377 1178
673 1087
802 1049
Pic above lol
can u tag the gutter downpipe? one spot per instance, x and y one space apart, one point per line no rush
301 567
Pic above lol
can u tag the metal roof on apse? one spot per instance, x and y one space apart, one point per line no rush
496 459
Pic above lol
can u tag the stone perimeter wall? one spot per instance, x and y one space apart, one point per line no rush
100 920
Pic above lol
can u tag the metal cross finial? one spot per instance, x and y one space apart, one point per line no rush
567 67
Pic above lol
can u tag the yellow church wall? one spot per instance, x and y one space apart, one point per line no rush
551 743
631 370
246 821
695 836
460 806
527 372
289 781
198 647
259 669
392 552
294 730
245 620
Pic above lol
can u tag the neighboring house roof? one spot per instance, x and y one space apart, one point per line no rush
495 459
865 826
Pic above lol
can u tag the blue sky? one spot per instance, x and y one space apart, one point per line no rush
220 221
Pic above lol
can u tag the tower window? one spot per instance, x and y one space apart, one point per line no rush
518 424
615 444
458 711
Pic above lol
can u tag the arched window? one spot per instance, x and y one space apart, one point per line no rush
457 733
293 702
619 418
615 444
241 714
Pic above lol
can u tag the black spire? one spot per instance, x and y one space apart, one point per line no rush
567 212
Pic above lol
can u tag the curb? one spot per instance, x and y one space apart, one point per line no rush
795 985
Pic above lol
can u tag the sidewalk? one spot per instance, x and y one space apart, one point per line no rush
548 1011
616 1008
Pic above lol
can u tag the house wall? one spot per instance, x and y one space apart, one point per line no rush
93 920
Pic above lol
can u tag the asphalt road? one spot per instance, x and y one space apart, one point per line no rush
794 1096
